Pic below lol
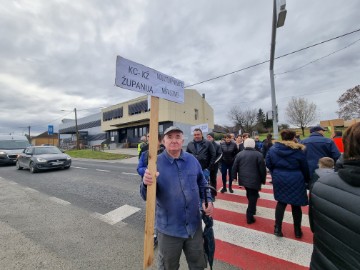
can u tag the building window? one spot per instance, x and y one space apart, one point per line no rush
113 114
161 129
138 107
196 114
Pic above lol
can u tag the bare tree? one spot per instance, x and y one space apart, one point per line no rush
244 119
301 113
349 104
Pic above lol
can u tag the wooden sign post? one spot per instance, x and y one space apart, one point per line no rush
139 78
151 190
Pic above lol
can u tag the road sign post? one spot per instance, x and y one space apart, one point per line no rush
139 78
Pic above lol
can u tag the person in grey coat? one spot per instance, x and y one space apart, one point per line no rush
249 167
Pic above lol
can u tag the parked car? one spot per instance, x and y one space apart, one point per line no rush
38 158
10 147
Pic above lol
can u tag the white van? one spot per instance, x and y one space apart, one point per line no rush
11 146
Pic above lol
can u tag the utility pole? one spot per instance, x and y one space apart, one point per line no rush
279 15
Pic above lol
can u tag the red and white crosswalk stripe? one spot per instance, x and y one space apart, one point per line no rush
255 246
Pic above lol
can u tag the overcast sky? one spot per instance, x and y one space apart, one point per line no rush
60 55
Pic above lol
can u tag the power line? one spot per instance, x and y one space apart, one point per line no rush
315 60
281 56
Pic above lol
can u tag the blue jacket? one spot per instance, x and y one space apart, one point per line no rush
317 146
290 173
144 161
180 189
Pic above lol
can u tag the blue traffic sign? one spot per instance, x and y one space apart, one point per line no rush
50 129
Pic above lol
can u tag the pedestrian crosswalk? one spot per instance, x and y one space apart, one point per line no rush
255 246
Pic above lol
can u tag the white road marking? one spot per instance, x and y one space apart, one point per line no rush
31 190
13 183
279 247
59 201
79 168
263 212
118 214
102 170
130 173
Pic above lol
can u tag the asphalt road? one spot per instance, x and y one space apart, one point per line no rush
73 219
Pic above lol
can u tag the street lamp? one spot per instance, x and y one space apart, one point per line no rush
76 129
279 15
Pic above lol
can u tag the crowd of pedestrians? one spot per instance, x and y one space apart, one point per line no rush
295 165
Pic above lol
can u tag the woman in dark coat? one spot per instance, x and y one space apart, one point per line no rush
290 173
249 167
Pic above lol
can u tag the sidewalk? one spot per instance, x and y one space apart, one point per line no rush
128 151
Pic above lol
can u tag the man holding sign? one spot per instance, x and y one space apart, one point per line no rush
181 189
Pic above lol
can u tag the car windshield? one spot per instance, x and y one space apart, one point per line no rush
46 150
13 144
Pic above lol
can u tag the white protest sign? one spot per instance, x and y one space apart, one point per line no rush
202 127
139 78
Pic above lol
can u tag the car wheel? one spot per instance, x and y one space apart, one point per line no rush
18 165
32 168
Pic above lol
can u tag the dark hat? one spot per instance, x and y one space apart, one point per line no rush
172 128
316 128
211 134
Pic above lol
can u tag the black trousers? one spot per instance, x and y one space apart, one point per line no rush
280 210
213 176
252 195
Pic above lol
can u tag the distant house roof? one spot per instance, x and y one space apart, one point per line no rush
332 122
46 135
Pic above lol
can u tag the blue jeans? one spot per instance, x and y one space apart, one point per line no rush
226 169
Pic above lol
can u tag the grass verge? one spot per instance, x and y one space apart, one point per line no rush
86 153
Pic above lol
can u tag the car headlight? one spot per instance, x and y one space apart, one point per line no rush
2 153
68 157
41 159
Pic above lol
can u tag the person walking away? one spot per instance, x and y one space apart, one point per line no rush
214 169
180 189
229 151
203 151
317 146
326 166
249 168
141 144
289 170
335 216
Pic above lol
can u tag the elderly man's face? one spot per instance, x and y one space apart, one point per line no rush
173 141
197 136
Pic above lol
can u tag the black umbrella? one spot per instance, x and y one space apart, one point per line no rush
208 234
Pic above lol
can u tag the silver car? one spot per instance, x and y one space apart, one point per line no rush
38 158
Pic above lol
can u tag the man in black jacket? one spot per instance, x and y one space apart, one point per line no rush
214 169
203 151
229 151
334 211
